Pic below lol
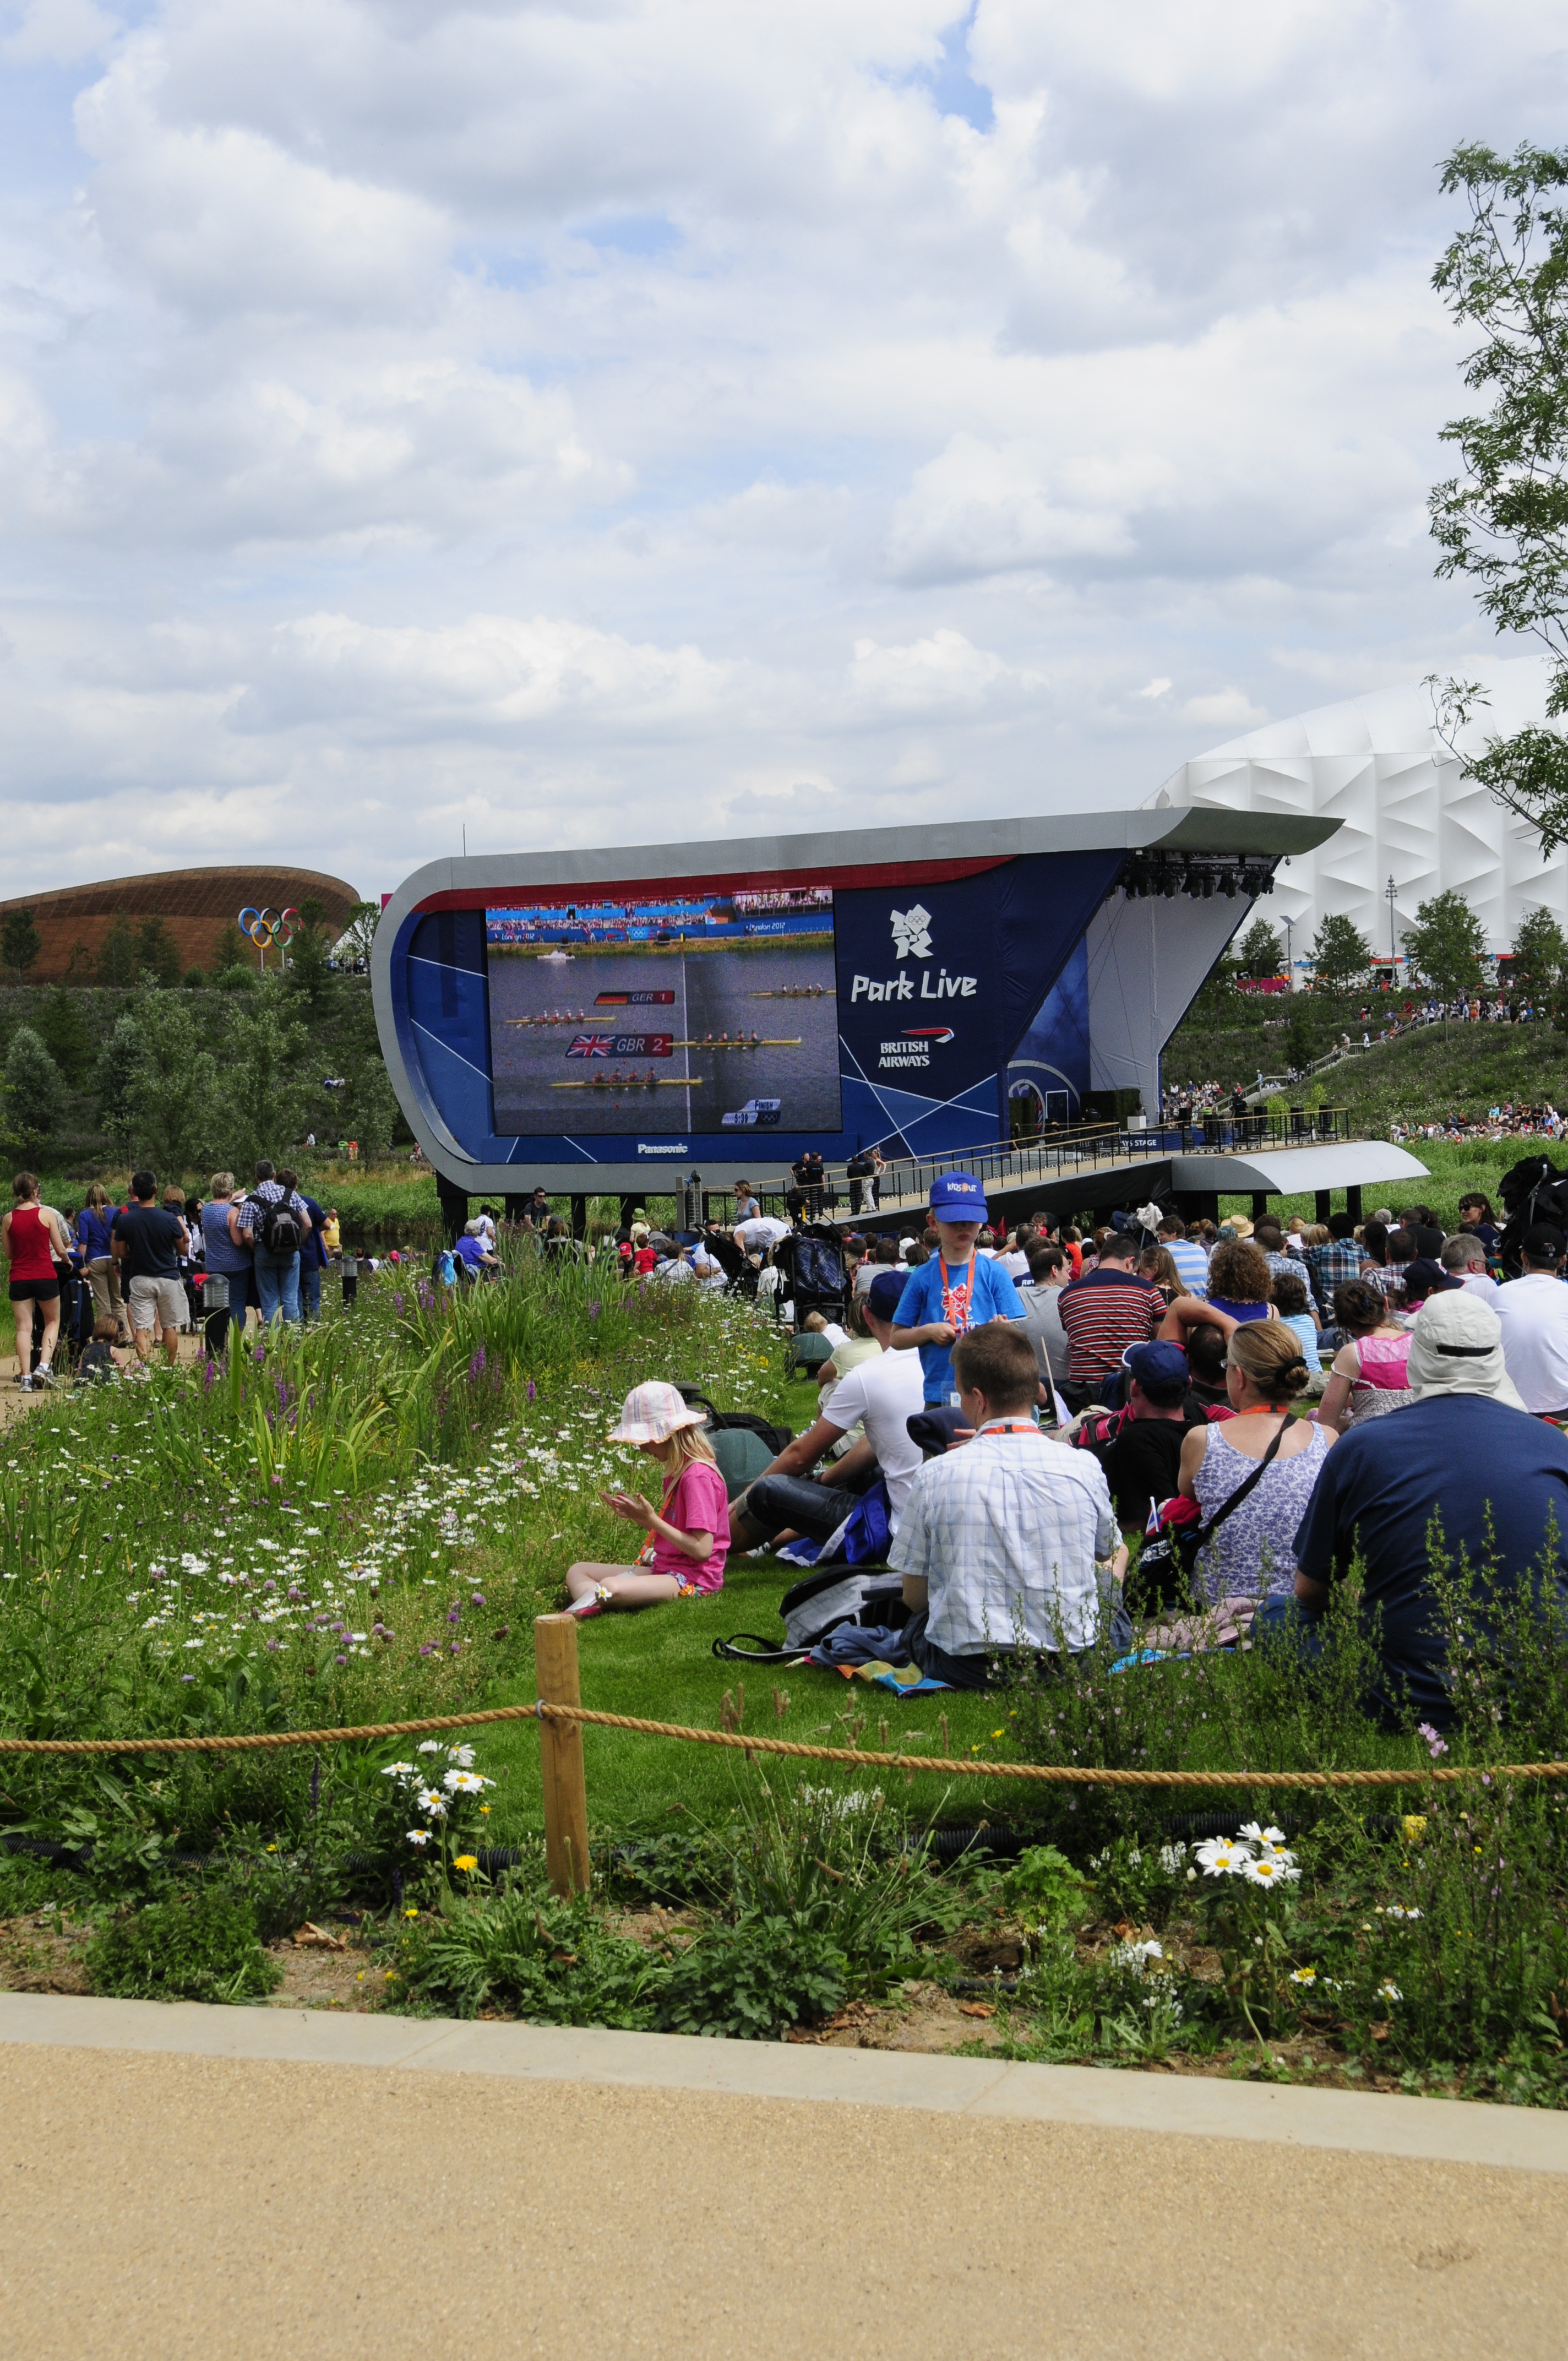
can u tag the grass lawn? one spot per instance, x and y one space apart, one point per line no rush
660 1665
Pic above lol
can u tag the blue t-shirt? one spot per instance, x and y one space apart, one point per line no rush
1496 1477
994 1298
472 1251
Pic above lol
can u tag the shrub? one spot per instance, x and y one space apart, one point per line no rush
200 1946
752 1981
547 1961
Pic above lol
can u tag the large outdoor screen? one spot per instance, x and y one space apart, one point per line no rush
669 1014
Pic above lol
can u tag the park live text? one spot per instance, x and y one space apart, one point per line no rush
940 986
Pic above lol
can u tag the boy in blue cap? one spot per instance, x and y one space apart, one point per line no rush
955 1290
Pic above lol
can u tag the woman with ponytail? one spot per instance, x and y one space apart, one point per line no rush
1252 1476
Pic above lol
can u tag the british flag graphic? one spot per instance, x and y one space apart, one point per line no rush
592 1045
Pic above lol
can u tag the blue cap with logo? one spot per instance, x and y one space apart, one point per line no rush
958 1197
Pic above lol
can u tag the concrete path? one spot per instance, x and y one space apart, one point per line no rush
208 2181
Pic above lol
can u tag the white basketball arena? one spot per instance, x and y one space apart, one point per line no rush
1376 764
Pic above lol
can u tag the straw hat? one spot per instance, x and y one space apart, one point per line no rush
1240 1227
652 1413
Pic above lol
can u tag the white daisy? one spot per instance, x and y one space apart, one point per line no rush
1271 1869
465 1783
418 1836
1390 1990
1220 1857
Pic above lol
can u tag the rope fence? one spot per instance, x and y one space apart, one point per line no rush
1079 1774
562 1718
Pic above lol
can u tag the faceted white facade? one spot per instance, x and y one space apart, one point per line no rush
1376 764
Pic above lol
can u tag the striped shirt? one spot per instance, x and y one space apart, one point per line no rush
1191 1265
1102 1314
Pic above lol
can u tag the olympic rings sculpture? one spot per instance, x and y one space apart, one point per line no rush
265 928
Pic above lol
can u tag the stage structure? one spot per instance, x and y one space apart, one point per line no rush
584 1021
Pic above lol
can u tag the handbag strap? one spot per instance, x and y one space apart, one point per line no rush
1199 1540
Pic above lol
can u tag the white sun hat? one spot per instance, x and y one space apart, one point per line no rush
652 1413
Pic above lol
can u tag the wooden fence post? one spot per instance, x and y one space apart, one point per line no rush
561 1754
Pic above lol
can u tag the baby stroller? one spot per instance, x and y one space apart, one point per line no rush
740 1277
815 1274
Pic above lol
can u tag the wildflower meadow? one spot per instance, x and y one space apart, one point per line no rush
357 1523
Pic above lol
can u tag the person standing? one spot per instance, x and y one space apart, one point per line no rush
149 1240
225 1293
955 1290
312 1260
31 1235
98 1262
275 1222
1533 1310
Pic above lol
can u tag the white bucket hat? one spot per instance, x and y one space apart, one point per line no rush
652 1413
1457 1347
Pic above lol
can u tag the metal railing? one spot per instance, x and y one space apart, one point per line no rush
1012 1164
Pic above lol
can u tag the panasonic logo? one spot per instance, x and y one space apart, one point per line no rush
673 1147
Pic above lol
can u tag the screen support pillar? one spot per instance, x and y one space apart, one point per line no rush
453 1207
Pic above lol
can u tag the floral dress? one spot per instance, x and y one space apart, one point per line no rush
1253 1555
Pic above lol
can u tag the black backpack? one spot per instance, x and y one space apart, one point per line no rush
281 1231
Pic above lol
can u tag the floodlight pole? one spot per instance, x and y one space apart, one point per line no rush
1393 947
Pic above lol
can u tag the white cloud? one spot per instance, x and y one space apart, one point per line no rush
1227 709
643 419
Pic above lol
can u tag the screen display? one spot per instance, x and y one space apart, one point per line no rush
665 1015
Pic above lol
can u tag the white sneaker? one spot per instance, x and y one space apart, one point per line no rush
26 1384
43 1374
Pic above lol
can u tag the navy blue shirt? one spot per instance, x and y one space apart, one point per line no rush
313 1255
1467 1460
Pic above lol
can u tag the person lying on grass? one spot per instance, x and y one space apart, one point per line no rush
688 1533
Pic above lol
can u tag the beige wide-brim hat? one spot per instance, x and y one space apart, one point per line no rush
652 1413
1239 1225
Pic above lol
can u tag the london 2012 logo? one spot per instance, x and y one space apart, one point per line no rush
912 932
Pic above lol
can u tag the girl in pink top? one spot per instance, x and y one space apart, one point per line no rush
1369 1376
688 1532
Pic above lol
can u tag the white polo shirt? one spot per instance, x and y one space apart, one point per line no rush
1534 1313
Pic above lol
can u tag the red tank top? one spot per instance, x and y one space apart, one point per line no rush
30 1248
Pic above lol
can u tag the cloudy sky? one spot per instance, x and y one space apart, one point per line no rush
593 421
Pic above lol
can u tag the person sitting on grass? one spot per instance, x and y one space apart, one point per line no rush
1460 1472
473 1253
1294 1307
881 1397
101 1358
688 1533
1008 1544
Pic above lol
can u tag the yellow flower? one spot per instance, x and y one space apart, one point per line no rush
483 1809
466 1861
411 1912
999 1733
271 1848
1414 1825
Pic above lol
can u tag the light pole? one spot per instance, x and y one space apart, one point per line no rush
1289 964
1393 948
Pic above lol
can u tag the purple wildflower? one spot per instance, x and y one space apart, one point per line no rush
594 1309
452 1612
532 1389
397 1302
340 1660
1434 1744
477 1365
478 1598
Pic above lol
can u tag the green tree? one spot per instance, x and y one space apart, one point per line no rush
20 943
1503 521
174 1110
65 1032
1300 1039
78 966
266 1101
358 930
310 978
158 953
35 1089
118 958
230 949
115 1078
1446 945
1539 954
1340 953
366 1110
1259 950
